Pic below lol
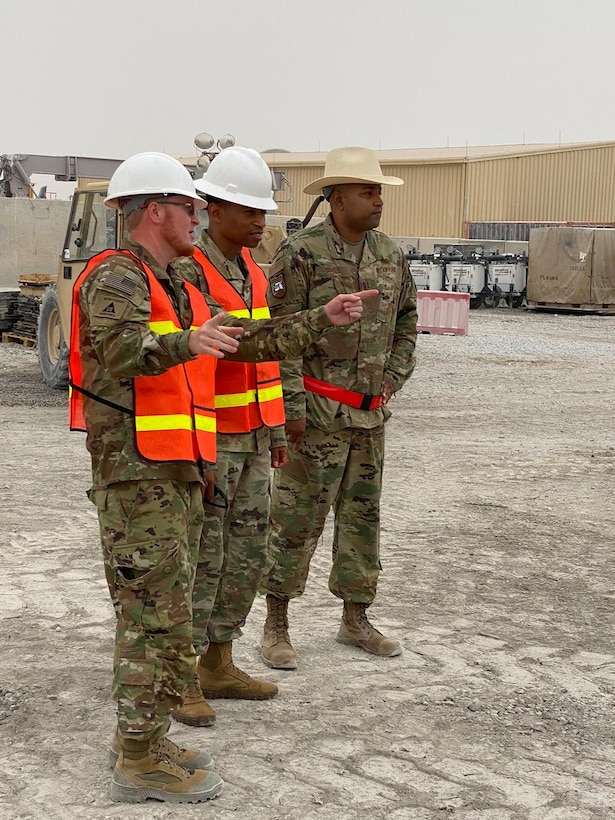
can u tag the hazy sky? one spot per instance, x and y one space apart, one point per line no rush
113 78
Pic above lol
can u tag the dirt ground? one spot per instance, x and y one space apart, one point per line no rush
497 544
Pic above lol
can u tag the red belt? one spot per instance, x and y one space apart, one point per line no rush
330 391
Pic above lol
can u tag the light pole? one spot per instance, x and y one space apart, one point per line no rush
207 147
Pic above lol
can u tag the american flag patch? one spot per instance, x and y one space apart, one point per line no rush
121 283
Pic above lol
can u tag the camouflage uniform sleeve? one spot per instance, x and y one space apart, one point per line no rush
115 298
278 338
402 357
287 334
277 437
288 293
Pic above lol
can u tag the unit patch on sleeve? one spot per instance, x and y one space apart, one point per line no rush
277 283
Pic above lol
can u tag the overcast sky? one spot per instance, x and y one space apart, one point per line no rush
116 77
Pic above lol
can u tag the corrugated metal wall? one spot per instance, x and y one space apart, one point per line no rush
568 185
563 186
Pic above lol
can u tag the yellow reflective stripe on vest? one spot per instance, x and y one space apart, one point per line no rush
257 313
270 393
206 423
244 399
178 421
162 328
236 399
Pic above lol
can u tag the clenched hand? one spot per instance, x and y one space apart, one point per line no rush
347 308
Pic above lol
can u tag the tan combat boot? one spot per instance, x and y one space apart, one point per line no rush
189 759
276 648
220 678
356 630
143 770
194 711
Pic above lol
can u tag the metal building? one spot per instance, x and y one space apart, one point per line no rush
456 192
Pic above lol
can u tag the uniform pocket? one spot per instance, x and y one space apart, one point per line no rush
152 588
135 672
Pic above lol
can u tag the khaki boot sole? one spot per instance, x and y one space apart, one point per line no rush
230 694
354 642
189 720
291 663
123 791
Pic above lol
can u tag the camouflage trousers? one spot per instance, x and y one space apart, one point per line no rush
233 548
342 470
150 538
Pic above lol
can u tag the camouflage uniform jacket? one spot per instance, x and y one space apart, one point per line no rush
311 267
234 271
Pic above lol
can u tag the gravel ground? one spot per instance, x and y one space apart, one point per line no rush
498 579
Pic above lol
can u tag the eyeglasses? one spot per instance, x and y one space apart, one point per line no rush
187 206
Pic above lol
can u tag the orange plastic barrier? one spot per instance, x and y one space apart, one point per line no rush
443 312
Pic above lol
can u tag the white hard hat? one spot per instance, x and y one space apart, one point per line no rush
353 164
151 174
239 175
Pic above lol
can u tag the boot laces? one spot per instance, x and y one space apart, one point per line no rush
239 673
193 691
362 621
280 622
163 750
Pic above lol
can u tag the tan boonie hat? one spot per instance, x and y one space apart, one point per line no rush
344 165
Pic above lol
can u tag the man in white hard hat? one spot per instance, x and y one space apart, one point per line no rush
250 424
335 400
143 390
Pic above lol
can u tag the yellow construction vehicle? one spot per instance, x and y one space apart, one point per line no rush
92 228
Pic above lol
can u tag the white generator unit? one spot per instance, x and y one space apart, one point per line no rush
427 275
511 279
467 277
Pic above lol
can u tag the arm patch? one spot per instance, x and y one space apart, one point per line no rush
277 285
123 284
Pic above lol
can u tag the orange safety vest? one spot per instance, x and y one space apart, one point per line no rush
174 414
248 396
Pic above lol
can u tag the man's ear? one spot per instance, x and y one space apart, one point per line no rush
213 211
154 210
337 198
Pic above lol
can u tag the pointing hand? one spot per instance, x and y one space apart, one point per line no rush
215 340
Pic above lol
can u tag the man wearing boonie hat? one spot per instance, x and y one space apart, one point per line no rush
335 401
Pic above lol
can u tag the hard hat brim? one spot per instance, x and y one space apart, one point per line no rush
205 187
114 201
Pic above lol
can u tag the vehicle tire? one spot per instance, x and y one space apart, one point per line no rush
476 300
518 299
491 298
52 349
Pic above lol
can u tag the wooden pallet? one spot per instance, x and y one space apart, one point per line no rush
604 309
26 341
